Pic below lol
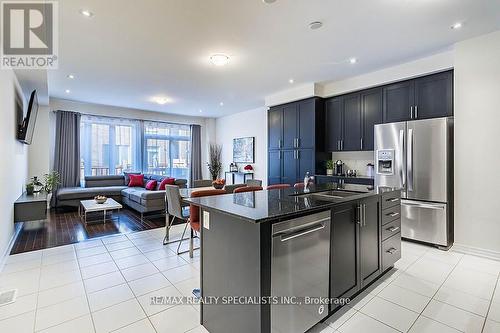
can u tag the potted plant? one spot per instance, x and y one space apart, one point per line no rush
52 179
215 161
329 168
248 168
30 188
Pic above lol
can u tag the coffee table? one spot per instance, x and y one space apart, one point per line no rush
90 206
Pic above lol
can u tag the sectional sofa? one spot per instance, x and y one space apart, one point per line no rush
137 198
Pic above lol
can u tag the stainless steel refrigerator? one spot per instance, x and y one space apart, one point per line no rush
417 156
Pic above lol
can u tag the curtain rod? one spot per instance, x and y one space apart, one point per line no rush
158 121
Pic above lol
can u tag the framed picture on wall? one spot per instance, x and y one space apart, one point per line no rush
244 150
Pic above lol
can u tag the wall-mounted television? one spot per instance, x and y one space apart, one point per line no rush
27 127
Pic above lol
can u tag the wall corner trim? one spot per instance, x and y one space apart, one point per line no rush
476 251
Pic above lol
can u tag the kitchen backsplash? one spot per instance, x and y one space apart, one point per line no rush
355 160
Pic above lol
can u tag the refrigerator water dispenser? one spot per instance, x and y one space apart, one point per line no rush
385 161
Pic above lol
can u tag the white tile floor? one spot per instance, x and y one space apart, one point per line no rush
105 285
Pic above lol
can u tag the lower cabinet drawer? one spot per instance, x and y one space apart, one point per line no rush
391 199
391 251
391 228
390 214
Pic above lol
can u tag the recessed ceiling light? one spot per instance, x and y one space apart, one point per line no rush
71 76
353 60
457 25
221 103
291 81
67 91
268 1
161 100
315 25
200 110
86 13
219 59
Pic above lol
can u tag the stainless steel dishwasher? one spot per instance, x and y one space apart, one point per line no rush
300 268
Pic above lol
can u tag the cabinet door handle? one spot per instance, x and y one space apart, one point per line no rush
338 144
392 250
361 143
411 112
392 229
298 154
279 143
416 111
342 144
392 200
393 214
360 214
364 215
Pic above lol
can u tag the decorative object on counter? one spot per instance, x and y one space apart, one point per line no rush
52 180
30 188
339 168
215 161
308 179
370 170
100 199
329 168
244 150
233 167
351 173
218 184
37 185
248 168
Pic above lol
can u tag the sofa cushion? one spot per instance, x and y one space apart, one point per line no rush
149 195
151 185
100 181
136 180
126 192
81 193
136 196
166 181
126 175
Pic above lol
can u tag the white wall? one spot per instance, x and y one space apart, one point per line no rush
14 166
477 121
244 124
42 151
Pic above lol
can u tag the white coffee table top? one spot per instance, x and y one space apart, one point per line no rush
92 206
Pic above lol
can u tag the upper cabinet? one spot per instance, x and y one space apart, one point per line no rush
334 124
371 108
426 97
275 128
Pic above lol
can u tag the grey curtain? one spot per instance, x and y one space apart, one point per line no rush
195 172
67 148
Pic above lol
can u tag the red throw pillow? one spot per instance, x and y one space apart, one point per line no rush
136 181
166 181
151 185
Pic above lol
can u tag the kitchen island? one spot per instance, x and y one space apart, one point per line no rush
284 260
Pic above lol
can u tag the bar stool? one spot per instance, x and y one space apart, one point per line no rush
194 219
278 186
174 209
248 189
253 182
202 183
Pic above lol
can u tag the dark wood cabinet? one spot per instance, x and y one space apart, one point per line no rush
344 251
274 167
426 97
370 240
289 168
334 109
352 123
306 124
290 126
275 127
434 96
305 160
398 101
371 108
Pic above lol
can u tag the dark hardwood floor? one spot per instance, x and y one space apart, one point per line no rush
66 227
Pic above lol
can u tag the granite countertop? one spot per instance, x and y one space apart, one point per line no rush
268 205
345 176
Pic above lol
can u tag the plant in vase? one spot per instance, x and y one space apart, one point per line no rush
52 180
30 188
248 168
329 168
215 161
37 185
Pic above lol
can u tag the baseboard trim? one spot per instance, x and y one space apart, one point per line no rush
6 253
476 251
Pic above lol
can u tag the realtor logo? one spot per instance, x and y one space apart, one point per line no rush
29 34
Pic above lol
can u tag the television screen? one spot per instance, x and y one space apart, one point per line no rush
27 128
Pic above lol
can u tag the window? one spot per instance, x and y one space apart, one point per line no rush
167 149
111 146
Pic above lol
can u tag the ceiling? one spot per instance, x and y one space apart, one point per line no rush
131 51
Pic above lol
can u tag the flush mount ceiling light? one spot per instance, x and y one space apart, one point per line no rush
221 103
161 100
268 1
456 25
71 76
200 110
67 91
353 60
219 59
86 13
291 81
315 25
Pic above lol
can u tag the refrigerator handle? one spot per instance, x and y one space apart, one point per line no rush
402 172
409 160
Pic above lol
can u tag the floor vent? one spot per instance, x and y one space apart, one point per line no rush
7 297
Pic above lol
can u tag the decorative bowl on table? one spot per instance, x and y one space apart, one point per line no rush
218 184
100 199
